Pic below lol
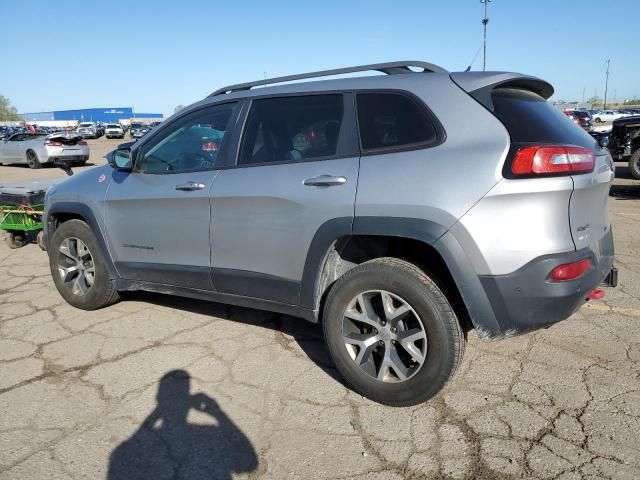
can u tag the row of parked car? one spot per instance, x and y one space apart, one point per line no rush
85 130
115 130
586 118
7 131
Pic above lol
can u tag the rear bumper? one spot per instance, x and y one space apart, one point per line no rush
526 300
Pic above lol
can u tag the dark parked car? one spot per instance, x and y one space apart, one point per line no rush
580 118
624 142
5 132
135 130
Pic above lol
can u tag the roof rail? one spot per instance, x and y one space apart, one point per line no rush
390 68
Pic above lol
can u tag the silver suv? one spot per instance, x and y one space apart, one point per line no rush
395 209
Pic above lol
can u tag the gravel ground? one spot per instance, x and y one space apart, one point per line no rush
158 387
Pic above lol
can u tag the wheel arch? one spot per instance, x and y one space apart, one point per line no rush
424 243
61 212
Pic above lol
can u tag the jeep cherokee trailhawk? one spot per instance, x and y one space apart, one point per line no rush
395 209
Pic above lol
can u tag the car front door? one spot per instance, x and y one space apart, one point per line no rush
11 149
158 215
294 180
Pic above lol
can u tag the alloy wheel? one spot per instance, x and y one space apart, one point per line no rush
75 265
32 159
384 336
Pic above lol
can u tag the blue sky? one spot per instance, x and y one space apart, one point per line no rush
154 55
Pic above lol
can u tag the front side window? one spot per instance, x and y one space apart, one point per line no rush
292 129
192 143
392 120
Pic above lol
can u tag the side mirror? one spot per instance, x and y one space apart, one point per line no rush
120 159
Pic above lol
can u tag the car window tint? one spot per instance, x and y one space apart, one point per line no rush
530 118
190 144
292 129
391 120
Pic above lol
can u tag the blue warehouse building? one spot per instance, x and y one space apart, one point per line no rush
105 115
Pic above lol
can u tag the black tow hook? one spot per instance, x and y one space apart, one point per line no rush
611 280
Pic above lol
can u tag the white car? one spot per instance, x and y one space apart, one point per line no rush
114 130
36 150
87 130
607 116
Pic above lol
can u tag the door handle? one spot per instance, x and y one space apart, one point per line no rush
190 186
324 181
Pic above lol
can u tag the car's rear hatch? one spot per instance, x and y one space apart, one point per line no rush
519 102
66 139
65 144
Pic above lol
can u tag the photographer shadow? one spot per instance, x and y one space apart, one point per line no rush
166 446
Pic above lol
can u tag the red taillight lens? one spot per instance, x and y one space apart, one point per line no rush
570 271
544 160
51 143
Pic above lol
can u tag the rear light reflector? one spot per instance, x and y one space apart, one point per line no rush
51 143
596 294
544 160
570 271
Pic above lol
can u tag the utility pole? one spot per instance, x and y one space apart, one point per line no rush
606 86
485 21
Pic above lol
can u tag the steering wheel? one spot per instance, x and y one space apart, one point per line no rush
195 161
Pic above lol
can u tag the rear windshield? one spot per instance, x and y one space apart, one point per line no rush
113 125
530 118
86 124
136 125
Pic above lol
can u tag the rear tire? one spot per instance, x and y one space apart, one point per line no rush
32 160
634 164
430 362
79 287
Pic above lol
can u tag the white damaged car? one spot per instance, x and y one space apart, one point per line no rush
36 149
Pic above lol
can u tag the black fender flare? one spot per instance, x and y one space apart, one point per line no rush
431 233
84 211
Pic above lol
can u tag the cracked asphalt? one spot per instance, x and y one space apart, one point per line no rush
157 387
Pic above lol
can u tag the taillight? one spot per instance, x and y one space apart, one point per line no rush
82 142
570 271
51 143
544 160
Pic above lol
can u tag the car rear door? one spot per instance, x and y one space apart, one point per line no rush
158 216
295 176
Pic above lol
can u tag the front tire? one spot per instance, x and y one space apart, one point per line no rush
597 120
634 164
32 160
78 267
392 333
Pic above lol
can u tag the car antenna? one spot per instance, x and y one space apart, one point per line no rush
474 58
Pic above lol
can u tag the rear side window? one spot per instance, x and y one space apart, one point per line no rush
529 118
392 120
292 129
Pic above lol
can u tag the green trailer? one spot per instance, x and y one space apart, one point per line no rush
21 212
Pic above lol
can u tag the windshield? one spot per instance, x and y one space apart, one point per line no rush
136 125
113 125
86 124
